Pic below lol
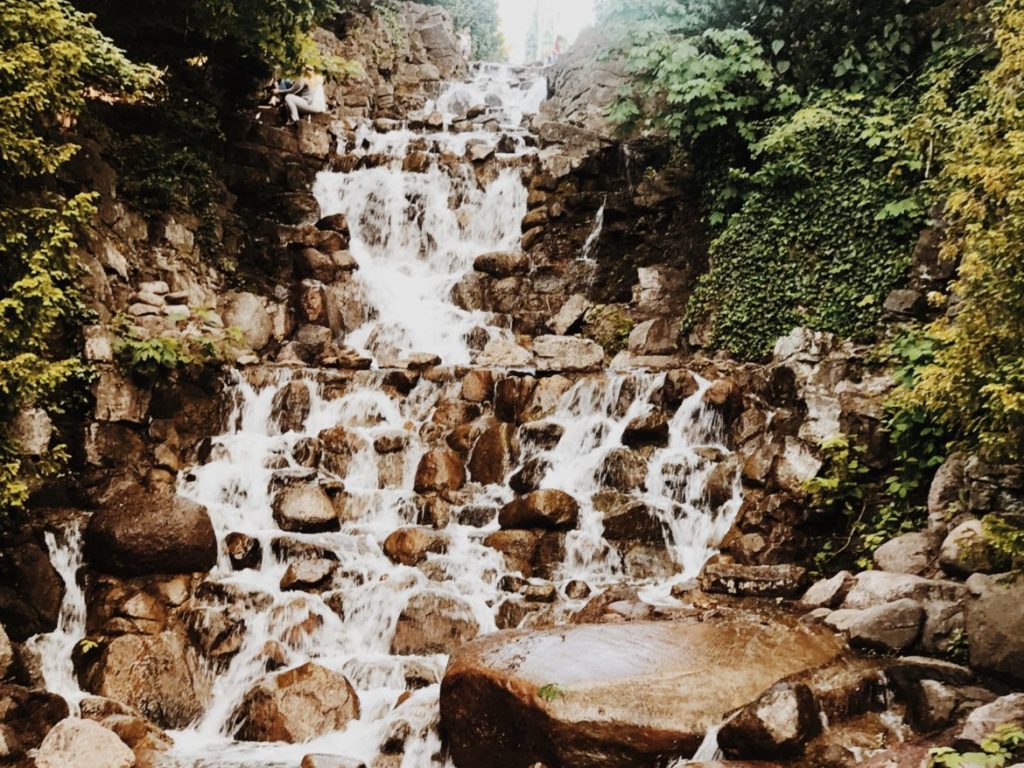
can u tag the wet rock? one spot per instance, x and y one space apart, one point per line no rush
297 705
545 398
26 716
511 395
753 580
31 590
966 550
330 761
650 429
308 575
500 352
567 353
778 724
440 469
304 509
492 456
391 442
577 590
721 483
540 593
541 434
335 222
679 385
158 675
502 264
891 626
244 551
530 475
995 624
910 553
6 653
142 533
518 546
291 406
570 314
932 705
625 517
827 593
432 622
797 464
120 399
478 386
611 695
624 470
216 632
410 546
547 509
83 744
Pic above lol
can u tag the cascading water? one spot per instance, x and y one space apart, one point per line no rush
414 234
54 649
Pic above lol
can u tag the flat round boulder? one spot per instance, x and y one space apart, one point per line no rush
144 533
614 695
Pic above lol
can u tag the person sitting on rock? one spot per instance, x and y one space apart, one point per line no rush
306 95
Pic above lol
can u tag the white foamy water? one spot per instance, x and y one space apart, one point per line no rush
54 649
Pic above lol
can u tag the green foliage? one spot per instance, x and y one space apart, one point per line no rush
976 384
839 486
822 231
161 354
998 749
481 16
1004 536
549 692
51 58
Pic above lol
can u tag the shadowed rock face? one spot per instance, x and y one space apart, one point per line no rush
613 695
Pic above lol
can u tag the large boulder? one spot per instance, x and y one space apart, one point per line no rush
83 744
31 590
891 626
144 533
304 508
778 724
159 675
966 550
995 624
550 509
567 353
910 553
297 705
433 623
613 695
248 313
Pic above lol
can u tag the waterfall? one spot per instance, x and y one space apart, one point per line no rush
414 233
55 648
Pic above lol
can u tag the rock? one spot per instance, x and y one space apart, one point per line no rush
502 264
410 546
291 406
891 626
933 706
624 470
83 744
511 394
966 550
119 399
982 721
158 675
244 551
304 508
912 553
827 593
873 588
432 622
334 222
995 625
440 469
297 705
650 429
31 590
248 313
26 716
776 725
652 337
545 398
6 653
946 488
309 575
567 353
903 302
518 546
331 761
216 632
492 457
612 695
625 517
478 386
31 431
547 509
795 466
577 590
753 580
143 533
720 487
570 314
500 352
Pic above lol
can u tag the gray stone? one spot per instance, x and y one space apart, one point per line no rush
827 593
982 721
995 624
776 725
945 490
83 744
891 626
32 430
872 588
753 580
912 553
652 337
966 550
570 314
248 313
567 353
433 623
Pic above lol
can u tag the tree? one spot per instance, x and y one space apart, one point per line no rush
50 58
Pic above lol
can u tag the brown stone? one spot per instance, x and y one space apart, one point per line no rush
433 623
548 509
410 546
492 457
440 469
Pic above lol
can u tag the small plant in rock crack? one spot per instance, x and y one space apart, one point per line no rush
550 692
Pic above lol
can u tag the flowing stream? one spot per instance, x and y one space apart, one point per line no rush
414 234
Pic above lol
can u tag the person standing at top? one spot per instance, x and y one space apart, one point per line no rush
306 95
465 44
